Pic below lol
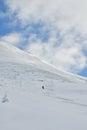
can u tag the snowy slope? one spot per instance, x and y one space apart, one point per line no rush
60 106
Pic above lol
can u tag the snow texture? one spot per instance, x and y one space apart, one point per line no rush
24 105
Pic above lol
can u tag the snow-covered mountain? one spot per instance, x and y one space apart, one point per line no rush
24 105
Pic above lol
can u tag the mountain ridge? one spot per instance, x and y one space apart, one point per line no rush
28 58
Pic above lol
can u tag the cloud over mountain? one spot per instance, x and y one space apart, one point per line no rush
54 30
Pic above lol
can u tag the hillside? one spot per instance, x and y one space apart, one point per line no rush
60 105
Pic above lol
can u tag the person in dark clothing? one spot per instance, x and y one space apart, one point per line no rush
42 87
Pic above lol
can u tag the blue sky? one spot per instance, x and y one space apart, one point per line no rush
83 72
55 33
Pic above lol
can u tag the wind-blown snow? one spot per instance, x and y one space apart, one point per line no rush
61 105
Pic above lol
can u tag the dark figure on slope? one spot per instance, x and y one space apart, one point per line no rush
42 87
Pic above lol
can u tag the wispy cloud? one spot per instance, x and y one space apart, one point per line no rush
67 56
13 38
54 30
63 14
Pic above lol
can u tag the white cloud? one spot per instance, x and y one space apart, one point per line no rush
67 56
57 15
13 38
61 13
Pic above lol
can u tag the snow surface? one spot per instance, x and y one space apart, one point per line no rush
24 105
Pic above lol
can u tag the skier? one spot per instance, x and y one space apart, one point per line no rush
42 87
